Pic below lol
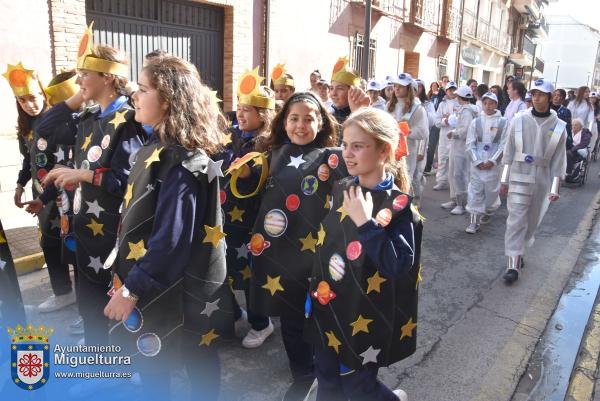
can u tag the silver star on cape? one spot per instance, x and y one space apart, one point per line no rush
94 208
213 169
96 264
210 307
296 161
370 355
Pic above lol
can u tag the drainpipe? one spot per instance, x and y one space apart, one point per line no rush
366 41
459 47
266 35
532 65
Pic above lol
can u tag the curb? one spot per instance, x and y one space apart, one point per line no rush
29 263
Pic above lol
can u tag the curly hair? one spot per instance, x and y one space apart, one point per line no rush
193 118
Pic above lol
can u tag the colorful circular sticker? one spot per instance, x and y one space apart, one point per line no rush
85 165
38 187
134 321
149 344
222 196
353 250
337 267
41 160
105 141
258 244
400 202
333 161
529 159
292 202
70 242
77 200
41 173
94 154
309 185
383 217
275 223
323 172
486 147
42 144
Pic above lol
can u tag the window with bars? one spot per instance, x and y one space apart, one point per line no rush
357 45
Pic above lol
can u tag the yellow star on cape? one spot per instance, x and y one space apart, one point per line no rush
208 337
154 157
273 285
333 342
226 140
407 329
236 214
119 119
30 136
246 273
361 324
213 235
343 212
97 228
86 142
419 277
128 195
321 235
327 202
2 238
375 282
136 250
308 243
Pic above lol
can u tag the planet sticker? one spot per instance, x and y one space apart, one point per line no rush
41 160
94 154
41 173
353 250
337 267
323 294
134 321
292 202
383 217
85 165
222 196
323 172
258 244
309 185
77 200
42 144
333 161
275 223
105 141
70 242
400 202
64 224
149 344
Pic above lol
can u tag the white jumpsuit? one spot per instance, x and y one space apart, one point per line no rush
458 171
485 142
535 151
445 109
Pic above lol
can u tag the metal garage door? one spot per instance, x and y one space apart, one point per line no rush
189 30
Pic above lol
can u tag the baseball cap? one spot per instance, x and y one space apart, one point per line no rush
491 96
374 85
464 92
543 85
403 79
451 84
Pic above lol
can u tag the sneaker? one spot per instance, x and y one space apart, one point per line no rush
511 276
56 302
448 205
241 325
401 394
256 338
76 326
458 210
440 186
300 389
484 219
472 228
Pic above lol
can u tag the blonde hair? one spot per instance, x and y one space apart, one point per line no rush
112 54
383 128
193 118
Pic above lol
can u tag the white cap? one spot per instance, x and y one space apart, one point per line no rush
374 85
528 96
491 96
403 79
451 84
322 82
389 81
543 85
594 94
464 92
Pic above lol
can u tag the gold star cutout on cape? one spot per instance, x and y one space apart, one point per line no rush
407 329
136 250
246 273
327 202
97 228
308 243
226 140
86 142
236 214
375 282
333 342
419 277
30 136
2 237
154 157
213 235
321 235
361 324
208 337
119 119
128 195
343 212
273 285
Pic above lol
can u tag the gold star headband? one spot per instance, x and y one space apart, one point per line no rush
279 76
22 81
87 61
249 91
342 73
61 91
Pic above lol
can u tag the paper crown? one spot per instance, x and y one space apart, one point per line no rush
61 91
279 76
249 91
21 80
30 333
87 61
342 73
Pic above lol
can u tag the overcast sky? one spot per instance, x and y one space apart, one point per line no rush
585 11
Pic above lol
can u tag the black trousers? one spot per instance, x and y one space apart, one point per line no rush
91 300
434 137
300 353
257 322
60 280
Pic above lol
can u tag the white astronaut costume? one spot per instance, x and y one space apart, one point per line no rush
534 163
446 108
485 142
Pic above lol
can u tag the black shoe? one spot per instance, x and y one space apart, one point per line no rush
299 389
511 276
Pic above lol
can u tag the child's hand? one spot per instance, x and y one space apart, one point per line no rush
553 198
357 98
34 206
358 206
18 195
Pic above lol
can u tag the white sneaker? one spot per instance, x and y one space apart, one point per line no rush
472 228
255 339
54 302
241 325
448 205
458 210
484 219
440 186
401 394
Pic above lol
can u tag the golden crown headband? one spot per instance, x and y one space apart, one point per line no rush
86 60
249 91
343 74
22 81
259 159
279 76
61 91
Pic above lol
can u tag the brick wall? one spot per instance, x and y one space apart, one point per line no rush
67 23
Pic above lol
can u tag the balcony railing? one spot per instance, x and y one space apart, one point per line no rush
469 23
454 20
528 45
393 8
483 31
426 13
